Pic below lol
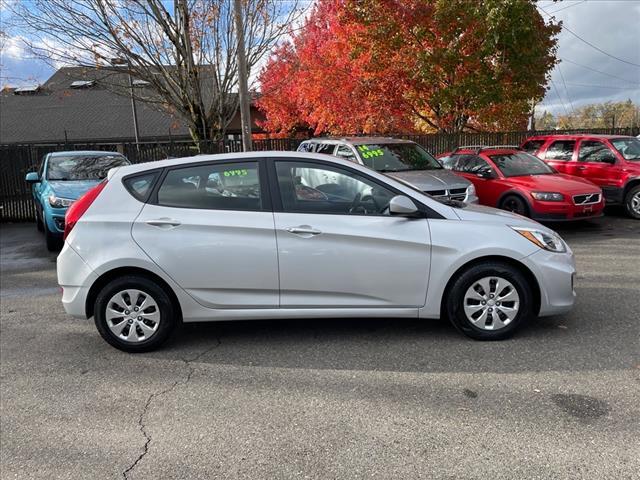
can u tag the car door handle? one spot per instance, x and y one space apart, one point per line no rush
303 230
163 223
582 168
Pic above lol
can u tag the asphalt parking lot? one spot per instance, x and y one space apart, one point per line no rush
325 399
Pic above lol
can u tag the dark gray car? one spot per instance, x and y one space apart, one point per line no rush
401 159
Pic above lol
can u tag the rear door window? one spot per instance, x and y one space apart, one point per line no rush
595 152
228 186
326 148
561 150
473 164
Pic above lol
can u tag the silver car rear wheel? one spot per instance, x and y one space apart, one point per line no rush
491 303
132 315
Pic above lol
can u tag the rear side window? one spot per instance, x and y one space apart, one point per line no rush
561 150
140 185
228 186
532 146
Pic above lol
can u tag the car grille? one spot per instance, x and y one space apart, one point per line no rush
454 193
586 199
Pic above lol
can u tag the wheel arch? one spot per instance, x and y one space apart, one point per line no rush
631 183
515 193
531 278
106 277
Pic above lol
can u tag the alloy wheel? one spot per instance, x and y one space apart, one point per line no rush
635 203
132 315
491 303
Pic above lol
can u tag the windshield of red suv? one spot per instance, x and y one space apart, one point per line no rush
520 164
79 167
629 148
397 157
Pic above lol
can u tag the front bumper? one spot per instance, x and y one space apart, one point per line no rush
555 273
564 211
75 277
55 219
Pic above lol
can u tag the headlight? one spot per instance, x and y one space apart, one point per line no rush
545 240
58 202
471 190
548 196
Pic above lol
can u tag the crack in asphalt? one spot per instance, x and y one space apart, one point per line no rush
141 424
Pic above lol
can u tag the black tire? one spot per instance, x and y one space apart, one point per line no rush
54 242
39 224
168 313
454 303
515 204
629 202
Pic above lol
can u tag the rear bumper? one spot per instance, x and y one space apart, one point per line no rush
75 277
555 273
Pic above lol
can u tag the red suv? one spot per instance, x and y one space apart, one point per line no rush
511 179
610 161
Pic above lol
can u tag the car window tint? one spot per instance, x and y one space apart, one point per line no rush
595 151
561 150
140 185
228 186
629 148
346 153
472 164
532 146
308 188
326 148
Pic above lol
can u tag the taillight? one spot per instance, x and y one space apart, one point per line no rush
80 206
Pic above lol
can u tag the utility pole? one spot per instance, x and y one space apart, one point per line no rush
245 112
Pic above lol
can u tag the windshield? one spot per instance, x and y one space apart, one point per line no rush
629 148
396 157
78 167
520 164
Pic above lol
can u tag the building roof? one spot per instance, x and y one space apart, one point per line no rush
58 112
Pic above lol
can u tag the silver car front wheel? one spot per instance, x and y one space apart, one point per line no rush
491 303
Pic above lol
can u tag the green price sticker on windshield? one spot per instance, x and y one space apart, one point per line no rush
236 173
366 152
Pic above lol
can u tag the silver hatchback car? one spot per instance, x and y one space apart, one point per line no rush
401 159
295 235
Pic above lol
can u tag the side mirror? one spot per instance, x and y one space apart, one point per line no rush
403 207
32 177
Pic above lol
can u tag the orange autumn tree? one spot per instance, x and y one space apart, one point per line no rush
378 66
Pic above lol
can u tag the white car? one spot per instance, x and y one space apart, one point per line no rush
295 235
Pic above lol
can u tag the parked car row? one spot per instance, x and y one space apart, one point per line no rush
345 228
548 178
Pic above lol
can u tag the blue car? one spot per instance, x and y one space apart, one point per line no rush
62 178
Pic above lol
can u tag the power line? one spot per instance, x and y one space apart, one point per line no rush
601 86
566 90
598 71
560 98
595 47
568 6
